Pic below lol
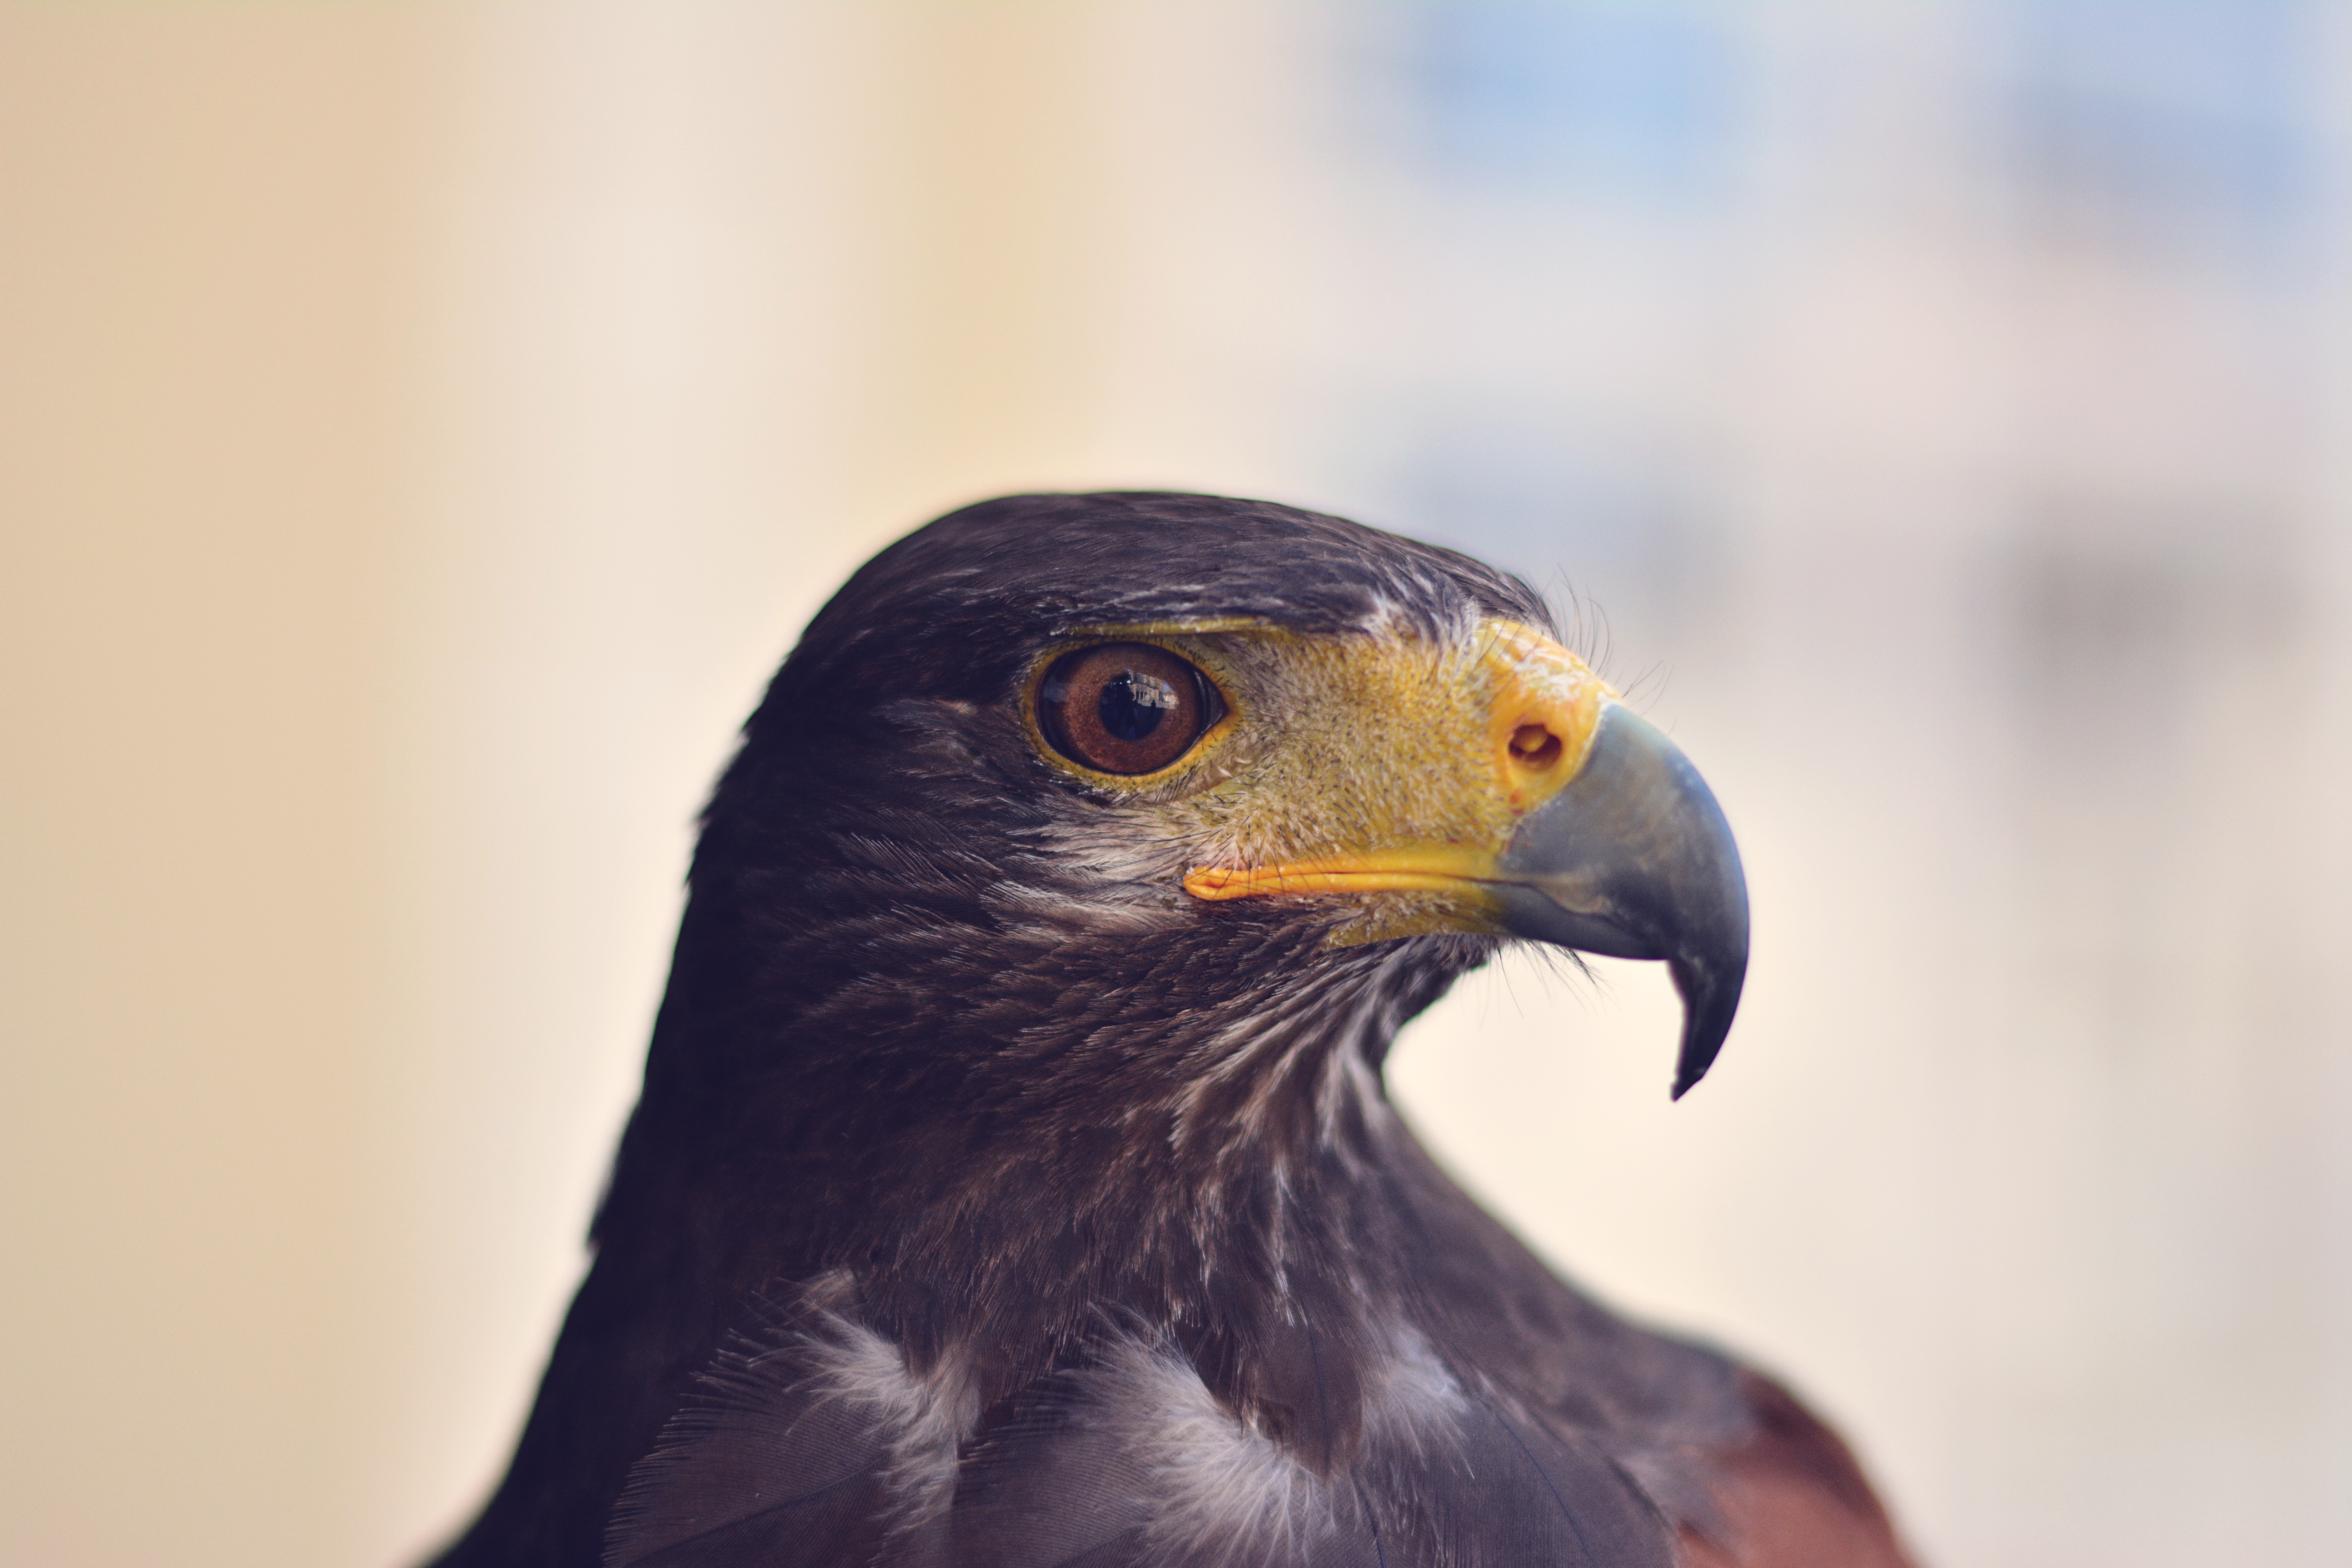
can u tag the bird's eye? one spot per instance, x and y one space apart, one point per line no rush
1126 707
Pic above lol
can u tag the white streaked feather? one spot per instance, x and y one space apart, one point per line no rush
1221 1489
921 1418
1217 1489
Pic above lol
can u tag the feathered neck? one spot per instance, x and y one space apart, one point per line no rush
1015 1133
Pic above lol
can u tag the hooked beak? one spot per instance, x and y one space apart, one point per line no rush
1634 859
1595 834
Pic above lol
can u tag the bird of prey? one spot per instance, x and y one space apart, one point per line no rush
1014 1185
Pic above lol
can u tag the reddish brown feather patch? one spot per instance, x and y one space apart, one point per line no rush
1791 1497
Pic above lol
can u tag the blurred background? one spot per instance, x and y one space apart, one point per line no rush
424 427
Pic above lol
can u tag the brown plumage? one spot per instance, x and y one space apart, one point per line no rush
1013 1185
1790 1494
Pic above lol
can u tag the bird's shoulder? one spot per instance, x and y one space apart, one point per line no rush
1788 1494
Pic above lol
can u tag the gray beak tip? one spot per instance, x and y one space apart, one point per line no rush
1710 993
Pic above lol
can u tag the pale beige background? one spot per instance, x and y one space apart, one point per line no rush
421 428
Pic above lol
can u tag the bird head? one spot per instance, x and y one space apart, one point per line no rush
1170 748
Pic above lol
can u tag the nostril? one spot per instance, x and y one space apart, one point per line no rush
1534 746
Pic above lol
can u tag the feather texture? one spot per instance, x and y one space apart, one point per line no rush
828 1448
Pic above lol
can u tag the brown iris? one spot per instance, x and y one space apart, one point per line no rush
1125 707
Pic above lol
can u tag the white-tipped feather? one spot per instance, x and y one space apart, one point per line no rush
1215 1489
921 1419
1220 1490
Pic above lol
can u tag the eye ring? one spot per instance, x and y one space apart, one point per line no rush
1126 707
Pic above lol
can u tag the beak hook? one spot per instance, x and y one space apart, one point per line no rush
1634 859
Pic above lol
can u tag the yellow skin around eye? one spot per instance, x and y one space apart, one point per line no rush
1377 767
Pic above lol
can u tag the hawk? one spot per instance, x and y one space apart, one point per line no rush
1014 1185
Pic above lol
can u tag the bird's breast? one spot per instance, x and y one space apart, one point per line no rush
824 1443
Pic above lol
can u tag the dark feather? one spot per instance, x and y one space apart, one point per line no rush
758 1466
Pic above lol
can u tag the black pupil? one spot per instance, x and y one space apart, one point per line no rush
1133 703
